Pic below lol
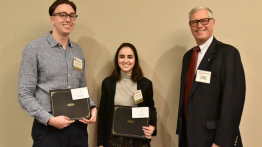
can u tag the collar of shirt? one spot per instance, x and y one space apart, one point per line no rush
53 42
204 46
203 49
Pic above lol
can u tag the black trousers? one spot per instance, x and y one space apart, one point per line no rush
75 135
184 134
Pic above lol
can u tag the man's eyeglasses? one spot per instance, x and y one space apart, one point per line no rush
203 21
64 15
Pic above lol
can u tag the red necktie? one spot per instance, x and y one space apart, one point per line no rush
190 77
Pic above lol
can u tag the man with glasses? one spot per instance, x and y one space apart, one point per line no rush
48 64
212 90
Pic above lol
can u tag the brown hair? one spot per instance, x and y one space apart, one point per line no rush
59 2
137 73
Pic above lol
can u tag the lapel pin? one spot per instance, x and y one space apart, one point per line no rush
208 59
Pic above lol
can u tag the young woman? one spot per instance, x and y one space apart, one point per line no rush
117 89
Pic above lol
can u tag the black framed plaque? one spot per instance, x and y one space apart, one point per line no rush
125 125
63 104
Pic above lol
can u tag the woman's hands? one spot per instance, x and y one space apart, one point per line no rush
148 131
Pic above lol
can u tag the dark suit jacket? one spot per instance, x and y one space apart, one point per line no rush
214 110
106 109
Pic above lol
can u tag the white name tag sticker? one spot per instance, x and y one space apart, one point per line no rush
138 96
203 76
79 93
140 112
78 64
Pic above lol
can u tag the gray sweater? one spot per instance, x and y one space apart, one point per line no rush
125 89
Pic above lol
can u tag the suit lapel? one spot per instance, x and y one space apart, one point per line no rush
140 87
113 90
205 62
186 62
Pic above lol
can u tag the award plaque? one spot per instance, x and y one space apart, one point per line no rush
63 104
125 125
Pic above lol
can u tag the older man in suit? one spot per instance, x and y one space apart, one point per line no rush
212 90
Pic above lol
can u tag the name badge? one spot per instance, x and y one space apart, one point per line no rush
203 76
140 112
78 64
138 96
79 93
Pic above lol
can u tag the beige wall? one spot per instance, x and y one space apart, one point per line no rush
159 30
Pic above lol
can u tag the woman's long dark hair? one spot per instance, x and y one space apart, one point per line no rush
137 73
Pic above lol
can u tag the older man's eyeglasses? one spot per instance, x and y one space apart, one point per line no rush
64 15
203 21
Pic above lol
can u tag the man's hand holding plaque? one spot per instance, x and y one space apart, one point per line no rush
92 119
60 122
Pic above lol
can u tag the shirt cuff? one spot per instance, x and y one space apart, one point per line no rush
44 118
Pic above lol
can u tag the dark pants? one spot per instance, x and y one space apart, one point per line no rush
184 134
75 135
